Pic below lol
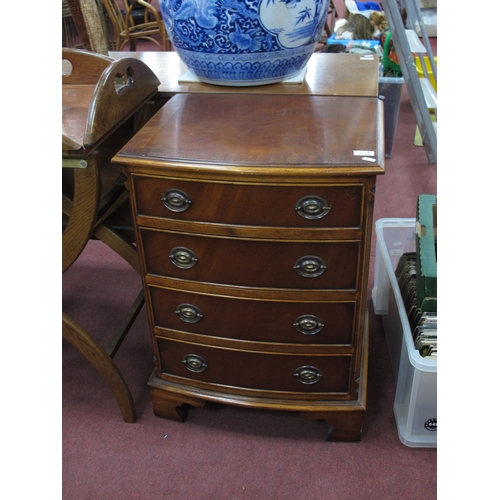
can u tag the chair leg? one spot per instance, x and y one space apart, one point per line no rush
103 363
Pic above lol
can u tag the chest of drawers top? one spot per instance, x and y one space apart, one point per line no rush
267 135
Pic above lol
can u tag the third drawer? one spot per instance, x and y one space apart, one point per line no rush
298 322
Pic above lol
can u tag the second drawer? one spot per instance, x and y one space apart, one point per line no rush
258 263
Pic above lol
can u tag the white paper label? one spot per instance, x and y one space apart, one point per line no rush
396 252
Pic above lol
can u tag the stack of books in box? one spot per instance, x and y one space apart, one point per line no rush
417 279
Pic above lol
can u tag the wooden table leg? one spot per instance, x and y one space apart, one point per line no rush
103 363
83 212
119 244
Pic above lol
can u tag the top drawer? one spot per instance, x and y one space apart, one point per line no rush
254 205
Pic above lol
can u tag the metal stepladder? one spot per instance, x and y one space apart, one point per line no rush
406 42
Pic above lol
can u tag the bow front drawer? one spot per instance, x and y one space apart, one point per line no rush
295 321
259 263
256 370
284 206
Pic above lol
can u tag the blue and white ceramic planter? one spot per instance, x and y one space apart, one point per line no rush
244 42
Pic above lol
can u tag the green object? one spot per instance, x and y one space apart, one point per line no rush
389 58
426 237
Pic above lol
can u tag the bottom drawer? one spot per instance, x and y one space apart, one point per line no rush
256 370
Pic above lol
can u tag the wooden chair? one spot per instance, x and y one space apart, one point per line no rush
100 97
127 32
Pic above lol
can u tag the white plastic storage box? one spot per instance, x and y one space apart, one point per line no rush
415 403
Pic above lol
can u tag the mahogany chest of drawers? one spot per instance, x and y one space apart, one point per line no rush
253 219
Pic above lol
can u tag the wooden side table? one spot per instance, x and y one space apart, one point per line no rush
253 216
327 74
99 96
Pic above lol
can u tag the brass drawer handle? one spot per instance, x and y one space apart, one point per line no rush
310 266
312 207
194 363
188 313
176 200
308 324
183 257
308 374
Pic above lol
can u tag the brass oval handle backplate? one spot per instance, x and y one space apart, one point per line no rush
308 374
182 257
310 266
176 200
308 324
194 363
312 207
188 313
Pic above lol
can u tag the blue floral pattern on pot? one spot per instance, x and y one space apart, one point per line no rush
244 42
